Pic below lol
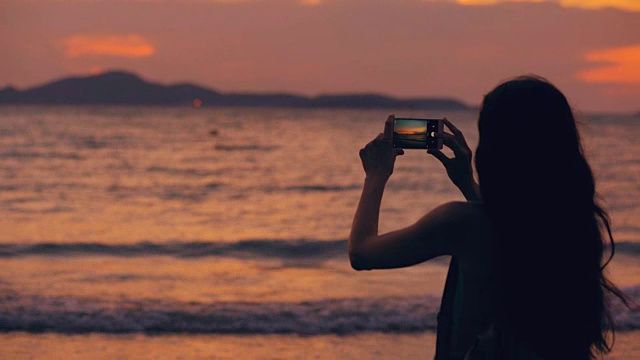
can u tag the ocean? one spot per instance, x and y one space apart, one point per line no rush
184 233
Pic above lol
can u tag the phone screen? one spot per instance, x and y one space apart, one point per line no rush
417 133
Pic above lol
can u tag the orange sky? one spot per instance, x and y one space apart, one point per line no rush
619 66
458 48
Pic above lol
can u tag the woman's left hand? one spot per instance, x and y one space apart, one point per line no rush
378 156
459 167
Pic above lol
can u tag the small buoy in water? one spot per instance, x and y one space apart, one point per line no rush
213 132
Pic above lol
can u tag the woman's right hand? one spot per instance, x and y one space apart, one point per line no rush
379 156
459 167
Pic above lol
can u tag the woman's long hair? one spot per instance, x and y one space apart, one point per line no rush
549 229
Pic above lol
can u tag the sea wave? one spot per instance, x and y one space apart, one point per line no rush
628 248
28 155
287 249
245 147
328 316
320 188
184 171
266 248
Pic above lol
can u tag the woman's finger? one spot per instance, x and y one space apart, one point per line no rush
451 127
374 141
452 142
388 128
456 132
379 139
440 156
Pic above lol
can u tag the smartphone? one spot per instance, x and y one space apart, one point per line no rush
417 133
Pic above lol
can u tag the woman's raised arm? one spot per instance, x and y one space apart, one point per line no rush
427 238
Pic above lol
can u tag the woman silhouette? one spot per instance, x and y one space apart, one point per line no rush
526 280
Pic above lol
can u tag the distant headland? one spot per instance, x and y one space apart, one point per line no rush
123 88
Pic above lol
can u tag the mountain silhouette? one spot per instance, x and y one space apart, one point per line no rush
123 88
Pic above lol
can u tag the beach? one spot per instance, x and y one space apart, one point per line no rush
225 347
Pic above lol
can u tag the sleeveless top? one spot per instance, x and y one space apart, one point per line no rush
498 344
445 315
493 343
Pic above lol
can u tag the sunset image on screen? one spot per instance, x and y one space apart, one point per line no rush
410 134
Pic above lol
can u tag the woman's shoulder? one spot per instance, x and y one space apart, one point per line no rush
467 225
469 212
452 227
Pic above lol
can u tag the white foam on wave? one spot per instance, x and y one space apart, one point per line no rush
328 316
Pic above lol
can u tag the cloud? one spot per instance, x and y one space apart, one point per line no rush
127 46
627 5
620 66
493 2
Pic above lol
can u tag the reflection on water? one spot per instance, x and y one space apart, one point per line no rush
133 174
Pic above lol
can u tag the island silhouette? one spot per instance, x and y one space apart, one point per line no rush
125 88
